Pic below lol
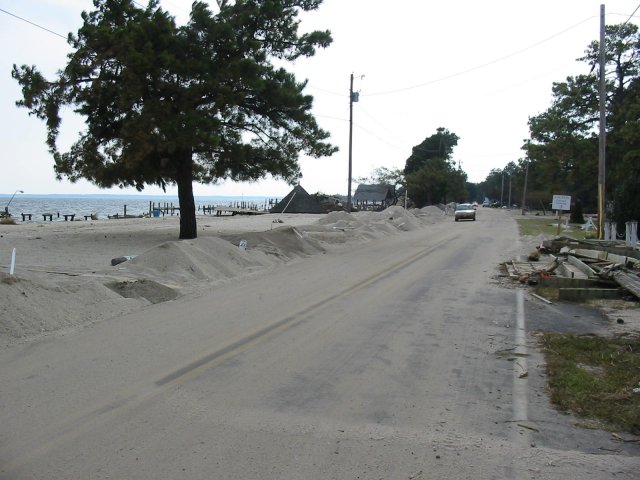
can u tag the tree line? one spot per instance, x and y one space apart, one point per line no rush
211 100
561 155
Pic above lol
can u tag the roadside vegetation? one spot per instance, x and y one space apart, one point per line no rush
561 155
596 379
547 225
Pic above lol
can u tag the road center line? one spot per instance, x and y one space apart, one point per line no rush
235 348
520 371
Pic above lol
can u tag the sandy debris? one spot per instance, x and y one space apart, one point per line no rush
64 279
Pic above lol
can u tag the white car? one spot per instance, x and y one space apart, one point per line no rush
464 211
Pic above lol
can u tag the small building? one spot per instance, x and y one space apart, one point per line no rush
373 197
298 201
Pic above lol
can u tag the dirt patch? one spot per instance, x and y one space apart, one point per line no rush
148 289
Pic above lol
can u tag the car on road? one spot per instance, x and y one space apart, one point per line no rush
464 211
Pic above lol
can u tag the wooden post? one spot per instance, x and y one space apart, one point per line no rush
559 221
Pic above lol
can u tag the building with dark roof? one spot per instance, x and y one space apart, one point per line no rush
373 197
298 201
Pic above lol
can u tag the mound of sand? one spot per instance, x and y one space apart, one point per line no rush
64 278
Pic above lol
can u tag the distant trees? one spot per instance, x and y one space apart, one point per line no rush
430 172
491 187
167 104
563 148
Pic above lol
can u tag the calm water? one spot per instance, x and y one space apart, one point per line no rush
104 205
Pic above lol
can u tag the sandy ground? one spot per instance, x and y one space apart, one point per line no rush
64 278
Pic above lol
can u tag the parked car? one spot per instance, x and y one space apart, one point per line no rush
464 211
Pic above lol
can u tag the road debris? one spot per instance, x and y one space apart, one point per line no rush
527 427
619 438
580 269
540 297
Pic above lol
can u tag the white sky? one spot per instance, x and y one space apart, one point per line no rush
478 68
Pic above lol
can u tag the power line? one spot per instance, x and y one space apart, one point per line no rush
32 23
45 28
631 16
385 127
478 67
332 118
346 94
369 132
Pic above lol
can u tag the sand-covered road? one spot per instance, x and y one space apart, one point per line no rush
382 359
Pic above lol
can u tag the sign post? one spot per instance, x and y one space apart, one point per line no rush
560 203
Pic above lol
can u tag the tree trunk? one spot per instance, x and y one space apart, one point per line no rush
184 180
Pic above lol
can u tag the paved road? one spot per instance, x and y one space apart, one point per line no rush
403 358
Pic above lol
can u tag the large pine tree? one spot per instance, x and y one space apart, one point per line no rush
167 104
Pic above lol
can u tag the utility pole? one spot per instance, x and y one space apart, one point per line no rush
353 98
350 143
502 190
603 133
524 190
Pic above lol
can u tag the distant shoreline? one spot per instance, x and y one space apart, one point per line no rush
105 196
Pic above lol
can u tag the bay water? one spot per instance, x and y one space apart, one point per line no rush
104 206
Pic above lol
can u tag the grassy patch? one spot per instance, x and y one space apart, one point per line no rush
544 225
593 378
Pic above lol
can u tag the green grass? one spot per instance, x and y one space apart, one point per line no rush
543 225
593 378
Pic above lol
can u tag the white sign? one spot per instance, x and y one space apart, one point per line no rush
561 202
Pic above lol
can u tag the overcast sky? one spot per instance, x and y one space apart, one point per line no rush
479 69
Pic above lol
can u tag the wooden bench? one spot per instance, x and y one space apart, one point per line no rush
87 217
26 215
69 216
45 215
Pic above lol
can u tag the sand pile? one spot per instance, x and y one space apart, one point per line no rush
64 278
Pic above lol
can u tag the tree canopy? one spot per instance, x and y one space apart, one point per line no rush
167 104
431 174
563 147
